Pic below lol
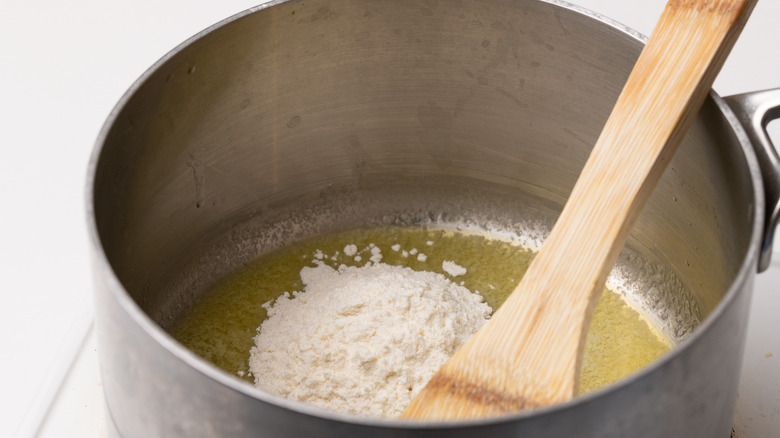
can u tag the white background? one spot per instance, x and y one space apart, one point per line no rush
63 65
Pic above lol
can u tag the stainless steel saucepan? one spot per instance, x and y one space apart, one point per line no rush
303 117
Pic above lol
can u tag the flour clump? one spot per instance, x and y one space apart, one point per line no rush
453 268
362 340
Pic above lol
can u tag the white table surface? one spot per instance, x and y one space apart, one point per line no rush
63 65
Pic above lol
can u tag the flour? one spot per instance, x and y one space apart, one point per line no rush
362 340
453 268
350 249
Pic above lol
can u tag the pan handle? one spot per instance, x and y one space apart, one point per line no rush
755 110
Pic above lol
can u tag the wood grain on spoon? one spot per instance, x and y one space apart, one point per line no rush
528 355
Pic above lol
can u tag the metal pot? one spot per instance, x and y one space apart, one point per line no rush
305 117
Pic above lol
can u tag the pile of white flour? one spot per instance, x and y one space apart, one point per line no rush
363 340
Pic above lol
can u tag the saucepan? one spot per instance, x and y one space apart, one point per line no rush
305 117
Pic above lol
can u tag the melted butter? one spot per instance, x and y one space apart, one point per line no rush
221 326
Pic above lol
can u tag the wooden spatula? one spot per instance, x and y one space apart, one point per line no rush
528 355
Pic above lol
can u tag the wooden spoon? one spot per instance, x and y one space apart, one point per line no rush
528 355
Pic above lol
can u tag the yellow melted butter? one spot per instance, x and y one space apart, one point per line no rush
220 327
